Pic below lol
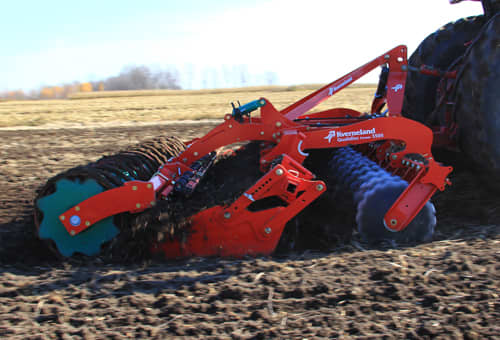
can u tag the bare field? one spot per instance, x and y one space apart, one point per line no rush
446 289
182 105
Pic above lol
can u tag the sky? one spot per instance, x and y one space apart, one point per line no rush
207 42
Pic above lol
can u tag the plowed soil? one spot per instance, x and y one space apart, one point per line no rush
448 288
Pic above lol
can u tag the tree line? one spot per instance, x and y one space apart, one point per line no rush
130 78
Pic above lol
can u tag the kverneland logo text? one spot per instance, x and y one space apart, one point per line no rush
341 134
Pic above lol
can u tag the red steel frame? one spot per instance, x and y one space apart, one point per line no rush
235 230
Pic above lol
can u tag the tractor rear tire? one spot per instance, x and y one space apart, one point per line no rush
477 100
439 50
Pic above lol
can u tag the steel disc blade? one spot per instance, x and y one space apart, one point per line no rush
371 211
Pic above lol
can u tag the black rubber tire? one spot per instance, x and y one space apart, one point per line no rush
439 50
477 99
491 7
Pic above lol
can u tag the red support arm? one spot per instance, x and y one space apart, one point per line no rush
395 58
133 196
415 196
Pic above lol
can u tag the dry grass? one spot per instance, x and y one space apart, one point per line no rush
150 93
146 107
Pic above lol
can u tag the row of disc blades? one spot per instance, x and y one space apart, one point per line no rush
373 191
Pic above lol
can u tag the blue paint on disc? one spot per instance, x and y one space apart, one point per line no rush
67 194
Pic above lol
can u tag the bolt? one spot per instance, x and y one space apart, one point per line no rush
72 232
87 223
230 126
195 154
77 208
278 124
134 187
74 220
319 187
263 161
404 68
138 205
150 186
387 56
227 117
279 172
268 230
274 135
278 140
184 160
262 102
227 214
152 203
394 222
262 133
62 218
418 167
394 157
